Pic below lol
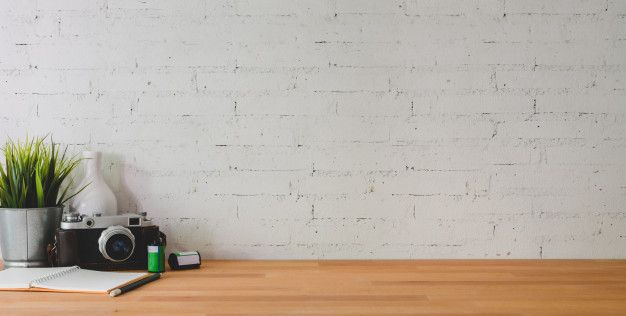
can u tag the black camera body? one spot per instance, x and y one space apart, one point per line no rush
117 242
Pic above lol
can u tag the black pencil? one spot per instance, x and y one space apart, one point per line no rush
134 285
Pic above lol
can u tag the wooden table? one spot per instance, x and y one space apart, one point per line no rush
433 287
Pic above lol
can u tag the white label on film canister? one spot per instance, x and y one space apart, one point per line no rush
153 249
187 260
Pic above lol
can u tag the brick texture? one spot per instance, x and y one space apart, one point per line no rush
339 128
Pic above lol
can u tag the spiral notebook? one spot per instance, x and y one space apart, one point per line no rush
66 279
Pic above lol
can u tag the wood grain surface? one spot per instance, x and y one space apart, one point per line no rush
422 287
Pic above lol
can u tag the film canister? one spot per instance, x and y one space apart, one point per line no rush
184 260
156 256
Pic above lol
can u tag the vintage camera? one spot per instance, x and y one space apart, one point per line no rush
105 242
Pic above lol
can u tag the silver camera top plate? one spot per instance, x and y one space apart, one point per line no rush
99 222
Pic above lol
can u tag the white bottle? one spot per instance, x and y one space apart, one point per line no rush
97 197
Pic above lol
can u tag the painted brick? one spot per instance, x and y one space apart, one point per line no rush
280 129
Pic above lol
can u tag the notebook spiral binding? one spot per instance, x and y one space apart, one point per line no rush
55 275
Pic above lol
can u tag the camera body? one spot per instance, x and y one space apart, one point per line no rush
96 242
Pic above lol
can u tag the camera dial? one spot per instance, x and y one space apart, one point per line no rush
72 217
116 243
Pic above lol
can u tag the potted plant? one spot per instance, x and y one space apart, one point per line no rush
32 194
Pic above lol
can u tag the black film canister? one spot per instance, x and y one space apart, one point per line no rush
184 260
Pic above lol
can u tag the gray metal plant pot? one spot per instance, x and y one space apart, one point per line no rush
25 234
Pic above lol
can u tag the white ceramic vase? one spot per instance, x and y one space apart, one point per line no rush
97 197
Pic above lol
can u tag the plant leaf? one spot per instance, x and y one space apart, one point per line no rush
39 187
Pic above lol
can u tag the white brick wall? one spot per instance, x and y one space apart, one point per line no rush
339 128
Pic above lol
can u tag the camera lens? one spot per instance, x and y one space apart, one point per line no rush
116 243
119 247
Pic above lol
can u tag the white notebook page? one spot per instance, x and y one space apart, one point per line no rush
89 281
20 278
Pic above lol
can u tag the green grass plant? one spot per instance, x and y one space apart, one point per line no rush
34 172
